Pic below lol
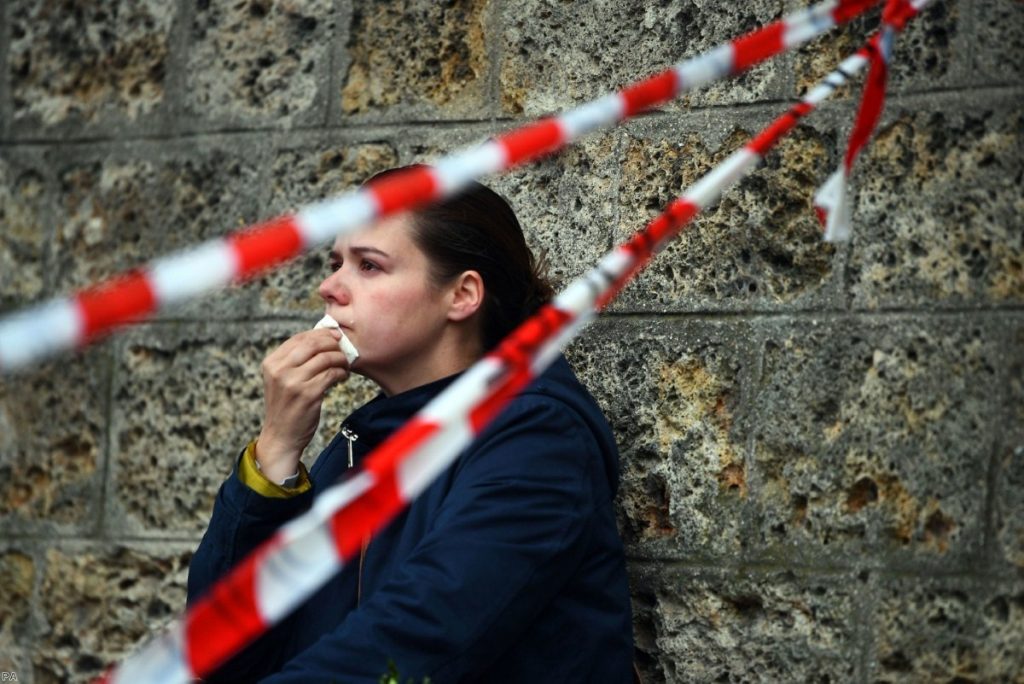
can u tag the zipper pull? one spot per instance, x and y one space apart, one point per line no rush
347 433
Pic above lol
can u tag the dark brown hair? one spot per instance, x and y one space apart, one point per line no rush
477 230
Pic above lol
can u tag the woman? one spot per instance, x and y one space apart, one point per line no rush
508 568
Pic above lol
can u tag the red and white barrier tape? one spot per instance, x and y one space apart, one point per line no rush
306 552
66 323
832 201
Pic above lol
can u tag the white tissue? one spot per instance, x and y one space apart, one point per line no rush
349 349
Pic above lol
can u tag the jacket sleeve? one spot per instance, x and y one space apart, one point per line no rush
512 531
242 519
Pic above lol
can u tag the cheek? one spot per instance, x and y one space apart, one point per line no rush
386 308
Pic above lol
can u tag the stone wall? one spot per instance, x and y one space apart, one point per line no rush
822 446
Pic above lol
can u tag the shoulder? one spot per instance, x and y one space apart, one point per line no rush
555 410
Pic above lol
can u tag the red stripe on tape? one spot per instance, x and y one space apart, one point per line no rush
264 245
822 216
359 519
645 243
651 92
678 214
511 383
531 141
404 189
758 46
897 13
767 138
356 522
516 354
225 619
116 302
872 102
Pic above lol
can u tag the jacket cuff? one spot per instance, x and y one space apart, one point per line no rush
251 476
239 497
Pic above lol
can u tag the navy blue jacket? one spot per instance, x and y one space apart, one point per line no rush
508 568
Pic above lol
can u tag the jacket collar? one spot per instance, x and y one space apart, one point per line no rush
382 415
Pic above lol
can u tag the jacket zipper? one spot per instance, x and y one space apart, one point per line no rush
351 437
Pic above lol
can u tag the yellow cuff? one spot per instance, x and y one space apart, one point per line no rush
250 475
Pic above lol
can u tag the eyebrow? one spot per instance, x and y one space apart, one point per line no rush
334 254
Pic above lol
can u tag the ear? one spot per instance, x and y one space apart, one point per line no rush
467 296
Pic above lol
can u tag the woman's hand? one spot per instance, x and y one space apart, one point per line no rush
296 376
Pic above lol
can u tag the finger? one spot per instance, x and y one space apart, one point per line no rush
300 348
321 362
328 378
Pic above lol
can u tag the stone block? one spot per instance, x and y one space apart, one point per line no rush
948 630
417 59
999 40
24 241
938 211
873 438
123 210
1009 504
932 52
557 55
260 62
675 396
75 64
19 572
101 605
566 205
108 220
188 400
780 626
53 435
300 176
760 247
1001 624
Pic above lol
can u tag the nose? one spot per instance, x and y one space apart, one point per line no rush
333 289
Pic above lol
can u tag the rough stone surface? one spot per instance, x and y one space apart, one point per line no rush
674 396
99 606
417 58
107 222
735 627
556 55
122 211
822 445
52 439
945 630
23 241
1009 504
566 205
189 398
759 247
18 571
82 62
1001 26
300 177
930 52
874 439
939 214
262 60
1000 648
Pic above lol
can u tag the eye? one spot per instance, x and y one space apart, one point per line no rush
367 265
334 265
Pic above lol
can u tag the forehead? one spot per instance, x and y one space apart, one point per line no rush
390 234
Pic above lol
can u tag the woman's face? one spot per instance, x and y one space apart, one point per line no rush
379 290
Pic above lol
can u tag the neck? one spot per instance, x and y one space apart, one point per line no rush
452 354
